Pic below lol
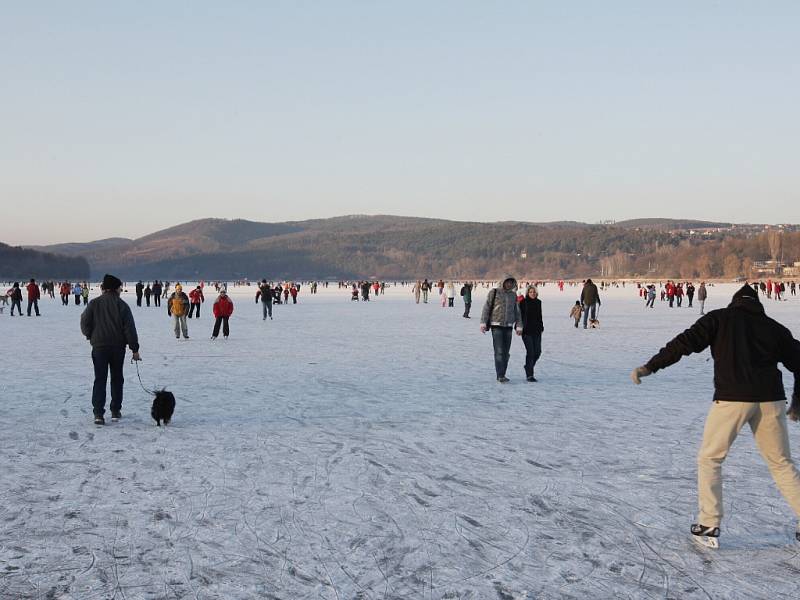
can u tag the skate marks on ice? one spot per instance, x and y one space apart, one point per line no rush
393 468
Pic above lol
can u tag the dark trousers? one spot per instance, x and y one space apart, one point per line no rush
191 310
156 299
501 340
18 304
105 360
467 307
35 305
138 299
147 300
64 299
77 299
690 298
450 302
533 350
586 316
221 321
267 308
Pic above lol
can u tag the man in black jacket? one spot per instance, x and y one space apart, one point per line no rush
107 322
590 299
746 346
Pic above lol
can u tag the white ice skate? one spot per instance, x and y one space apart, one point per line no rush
706 536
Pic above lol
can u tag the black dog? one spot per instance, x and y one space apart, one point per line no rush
163 407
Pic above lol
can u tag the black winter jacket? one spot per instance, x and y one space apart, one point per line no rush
108 322
531 316
746 346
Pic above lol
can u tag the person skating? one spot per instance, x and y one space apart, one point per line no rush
265 294
77 292
532 328
147 293
501 314
466 295
196 298
746 346
85 293
107 322
157 288
178 308
33 296
15 293
417 290
576 312
590 299
426 288
139 293
450 289
293 291
702 294
223 309
690 293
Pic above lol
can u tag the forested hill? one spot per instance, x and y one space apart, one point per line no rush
23 263
389 247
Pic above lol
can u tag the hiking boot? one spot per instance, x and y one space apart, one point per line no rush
99 420
116 415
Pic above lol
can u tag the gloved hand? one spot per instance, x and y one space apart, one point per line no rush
794 409
638 373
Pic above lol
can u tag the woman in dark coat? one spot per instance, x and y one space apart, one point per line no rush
532 328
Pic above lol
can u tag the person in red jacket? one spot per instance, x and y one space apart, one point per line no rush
223 309
293 292
196 298
64 292
33 297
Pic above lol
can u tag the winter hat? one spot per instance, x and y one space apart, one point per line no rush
111 283
746 292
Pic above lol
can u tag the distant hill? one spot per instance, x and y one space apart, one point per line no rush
391 247
23 263
670 224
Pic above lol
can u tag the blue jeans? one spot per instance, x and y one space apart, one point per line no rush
586 310
533 350
105 360
501 340
267 308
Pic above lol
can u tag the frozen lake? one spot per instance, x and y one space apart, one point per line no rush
352 450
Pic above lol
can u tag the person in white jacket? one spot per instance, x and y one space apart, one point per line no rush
450 288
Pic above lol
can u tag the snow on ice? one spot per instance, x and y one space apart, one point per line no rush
354 450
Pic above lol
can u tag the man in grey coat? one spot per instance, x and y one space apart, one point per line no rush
107 322
501 314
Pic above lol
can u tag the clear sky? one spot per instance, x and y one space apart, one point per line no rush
121 118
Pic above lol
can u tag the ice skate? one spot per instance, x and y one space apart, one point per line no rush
706 536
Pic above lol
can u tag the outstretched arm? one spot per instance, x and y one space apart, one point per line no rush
695 339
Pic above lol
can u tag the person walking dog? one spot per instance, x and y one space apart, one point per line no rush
107 322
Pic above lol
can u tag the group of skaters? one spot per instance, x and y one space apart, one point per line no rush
775 289
35 291
361 290
673 293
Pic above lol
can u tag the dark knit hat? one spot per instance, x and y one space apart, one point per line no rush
110 283
746 292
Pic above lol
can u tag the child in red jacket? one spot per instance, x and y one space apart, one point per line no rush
223 309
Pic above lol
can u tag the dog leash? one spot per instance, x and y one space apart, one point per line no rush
136 362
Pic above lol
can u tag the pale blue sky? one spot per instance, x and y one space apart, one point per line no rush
118 119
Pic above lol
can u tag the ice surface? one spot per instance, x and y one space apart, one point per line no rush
352 450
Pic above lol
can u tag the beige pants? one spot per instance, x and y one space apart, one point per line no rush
767 421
